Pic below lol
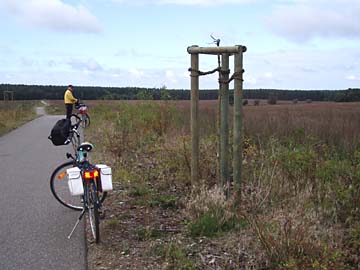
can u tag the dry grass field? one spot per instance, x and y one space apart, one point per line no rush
300 195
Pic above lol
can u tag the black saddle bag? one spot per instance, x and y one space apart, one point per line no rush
60 132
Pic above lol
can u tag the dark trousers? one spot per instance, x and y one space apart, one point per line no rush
69 108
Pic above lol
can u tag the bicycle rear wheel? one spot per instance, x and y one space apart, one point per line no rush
60 189
93 211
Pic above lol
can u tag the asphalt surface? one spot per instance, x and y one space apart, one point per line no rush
33 225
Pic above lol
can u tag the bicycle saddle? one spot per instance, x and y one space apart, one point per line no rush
85 147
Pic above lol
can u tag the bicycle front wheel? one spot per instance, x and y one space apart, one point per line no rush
93 211
85 120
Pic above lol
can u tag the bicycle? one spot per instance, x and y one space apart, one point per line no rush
82 113
78 185
74 134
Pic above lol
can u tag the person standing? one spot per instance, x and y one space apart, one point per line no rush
69 100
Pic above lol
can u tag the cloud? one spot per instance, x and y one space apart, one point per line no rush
353 78
27 61
51 64
171 77
202 2
6 49
303 20
268 75
136 72
185 2
259 79
302 69
52 14
89 65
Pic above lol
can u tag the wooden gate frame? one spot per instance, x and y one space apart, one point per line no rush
8 95
224 80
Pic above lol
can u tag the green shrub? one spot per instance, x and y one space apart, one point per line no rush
353 246
338 189
164 201
207 225
175 257
113 223
139 191
298 164
143 234
211 224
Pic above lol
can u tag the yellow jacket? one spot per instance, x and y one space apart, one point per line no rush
69 98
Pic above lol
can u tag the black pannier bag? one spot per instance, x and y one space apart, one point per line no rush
60 132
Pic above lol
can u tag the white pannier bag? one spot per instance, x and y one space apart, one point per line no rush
105 177
75 181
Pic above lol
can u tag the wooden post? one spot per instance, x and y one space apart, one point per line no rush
194 117
224 122
238 119
214 50
225 52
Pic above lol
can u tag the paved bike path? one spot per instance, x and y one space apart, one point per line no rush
33 225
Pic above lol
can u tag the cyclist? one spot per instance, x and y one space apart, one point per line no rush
69 100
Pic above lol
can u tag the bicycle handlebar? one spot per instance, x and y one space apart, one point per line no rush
79 105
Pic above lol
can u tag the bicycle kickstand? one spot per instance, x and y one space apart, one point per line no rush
77 223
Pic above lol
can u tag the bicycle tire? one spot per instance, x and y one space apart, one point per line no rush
93 211
60 190
75 141
85 120
75 119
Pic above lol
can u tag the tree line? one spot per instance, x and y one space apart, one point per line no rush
36 92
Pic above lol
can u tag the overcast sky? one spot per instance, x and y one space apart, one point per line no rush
292 44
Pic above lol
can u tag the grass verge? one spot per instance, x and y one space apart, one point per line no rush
15 113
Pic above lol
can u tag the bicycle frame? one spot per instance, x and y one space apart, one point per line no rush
74 136
91 193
